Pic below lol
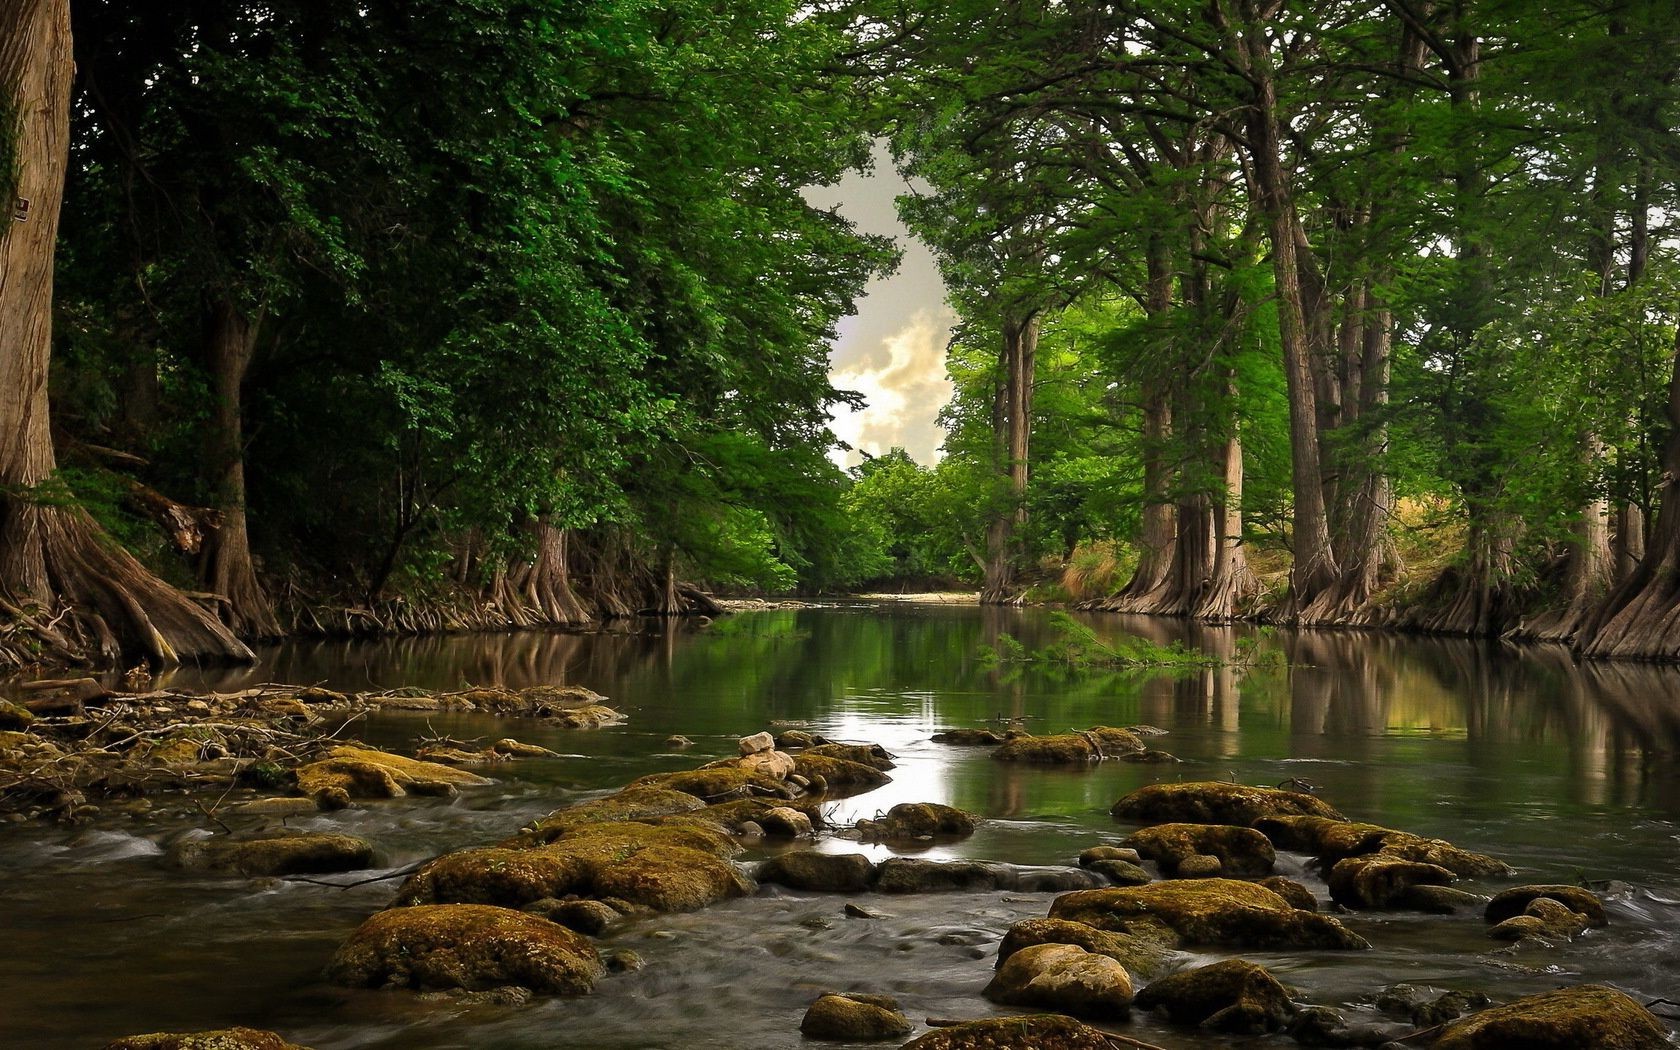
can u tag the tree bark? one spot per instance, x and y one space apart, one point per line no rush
53 556
1020 352
226 568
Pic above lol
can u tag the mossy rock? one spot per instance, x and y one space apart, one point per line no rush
1216 802
1138 955
1332 841
968 738
221 1039
716 784
913 820
362 772
1588 1015
1296 894
816 872
842 775
14 718
918 875
1065 978
592 716
276 854
467 946
1381 881
632 803
1069 749
1206 912
1242 852
1544 919
854 1018
666 867
1515 901
1234 996
1039 1031
872 755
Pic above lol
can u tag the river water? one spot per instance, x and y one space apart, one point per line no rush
1567 772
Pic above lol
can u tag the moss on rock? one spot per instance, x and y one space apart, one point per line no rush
1515 901
1296 894
1065 978
467 946
1138 955
842 775
362 772
1206 912
277 854
1039 1031
220 1039
1588 1015
1242 852
1332 841
854 1018
872 755
1069 749
1381 881
808 869
911 820
632 803
1233 996
1216 802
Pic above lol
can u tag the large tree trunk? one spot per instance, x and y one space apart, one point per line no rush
1231 584
52 555
549 585
1020 352
226 568
1314 567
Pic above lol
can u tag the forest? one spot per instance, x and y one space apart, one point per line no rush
337 320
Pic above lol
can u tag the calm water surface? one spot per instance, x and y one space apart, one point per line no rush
1567 772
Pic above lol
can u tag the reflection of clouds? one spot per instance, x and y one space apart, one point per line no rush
904 384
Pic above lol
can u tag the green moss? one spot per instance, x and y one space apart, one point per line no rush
1205 912
1039 1031
1216 802
1138 955
222 1039
1589 1015
1241 851
466 946
1232 996
1069 749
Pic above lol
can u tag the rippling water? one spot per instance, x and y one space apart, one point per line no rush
1567 772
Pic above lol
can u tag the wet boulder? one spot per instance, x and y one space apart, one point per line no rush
1587 1015
467 946
872 755
1442 900
1065 978
1332 841
968 738
361 772
808 869
841 776
784 822
1216 802
508 747
1206 912
1428 1007
585 916
1381 881
1233 996
1296 894
1097 853
1039 1031
1515 901
1544 919
1138 955
1069 749
771 763
914 820
1239 852
752 745
796 739
1119 872
718 783
220 1039
589 716
632 803
854 1018
281 854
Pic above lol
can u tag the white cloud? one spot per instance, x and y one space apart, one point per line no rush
904 385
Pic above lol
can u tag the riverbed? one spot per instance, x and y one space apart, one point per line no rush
1567 772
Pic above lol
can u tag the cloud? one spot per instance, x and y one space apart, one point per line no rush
903 381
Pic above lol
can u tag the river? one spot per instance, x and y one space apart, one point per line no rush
1567 772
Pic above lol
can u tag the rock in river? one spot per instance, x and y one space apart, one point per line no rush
1206 912
1233 996
854 1018
221 1039
808 869
912 820
1038 1031
1332 841
1587 1015
1381 881
1515 901
1069 749
915 875
1241 852
1216 802
1065 978
468 946
1138 955
360 772
282 854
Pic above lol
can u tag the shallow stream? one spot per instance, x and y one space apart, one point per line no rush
1567 772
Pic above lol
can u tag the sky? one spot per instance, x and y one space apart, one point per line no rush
893 350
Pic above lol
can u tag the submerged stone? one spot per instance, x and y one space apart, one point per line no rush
1069 749
1233 996
1239 851
278 854
1206 912
1038 1031
220 1039
1065 978
1515 901
854 1018
968 738
1216 802
1588 1015
468 946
